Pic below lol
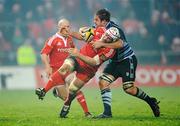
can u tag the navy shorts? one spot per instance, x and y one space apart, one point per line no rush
125 69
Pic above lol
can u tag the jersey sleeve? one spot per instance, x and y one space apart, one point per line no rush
49 44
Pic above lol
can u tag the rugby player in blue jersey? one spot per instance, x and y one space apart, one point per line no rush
123 64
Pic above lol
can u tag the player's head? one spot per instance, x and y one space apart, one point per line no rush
111 35
102 17
64 27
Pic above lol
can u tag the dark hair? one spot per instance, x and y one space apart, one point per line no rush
103 14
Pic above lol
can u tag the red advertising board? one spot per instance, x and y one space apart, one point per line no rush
158 75
145 76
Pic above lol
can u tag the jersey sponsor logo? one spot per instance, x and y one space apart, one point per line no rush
127 74
63 50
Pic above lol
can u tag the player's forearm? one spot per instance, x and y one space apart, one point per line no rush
76 35
87 59
45 60
114 45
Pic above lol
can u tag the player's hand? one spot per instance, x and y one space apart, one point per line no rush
73 52
82 30
97 44
48 71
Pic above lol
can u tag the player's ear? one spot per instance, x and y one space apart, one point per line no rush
104 22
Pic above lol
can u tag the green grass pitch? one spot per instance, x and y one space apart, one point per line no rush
22 108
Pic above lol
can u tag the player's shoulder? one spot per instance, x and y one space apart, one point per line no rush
54 39
99 30
113 24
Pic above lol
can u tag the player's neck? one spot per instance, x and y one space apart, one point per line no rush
63 35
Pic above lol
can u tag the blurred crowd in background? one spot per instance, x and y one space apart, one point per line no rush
152 27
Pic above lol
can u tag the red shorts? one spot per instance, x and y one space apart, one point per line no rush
54 69
84 75
69 76
83 71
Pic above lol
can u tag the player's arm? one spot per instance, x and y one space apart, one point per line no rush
45 59
81 35
114 45
96 60
74 52
76 35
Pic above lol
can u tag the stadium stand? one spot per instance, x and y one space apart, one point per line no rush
152 27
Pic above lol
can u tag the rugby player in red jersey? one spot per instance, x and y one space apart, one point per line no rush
53 56
86 62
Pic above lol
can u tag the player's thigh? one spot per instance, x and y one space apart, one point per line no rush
81 78
68 66
70 78
128 69
111 71
109 75
54 69
76 85
128 72
84 76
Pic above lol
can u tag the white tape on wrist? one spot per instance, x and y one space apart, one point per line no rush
97 59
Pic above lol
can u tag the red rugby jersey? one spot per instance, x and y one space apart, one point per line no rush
55 46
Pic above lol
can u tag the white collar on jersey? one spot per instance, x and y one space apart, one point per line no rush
64 39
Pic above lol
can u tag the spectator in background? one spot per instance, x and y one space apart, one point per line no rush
176 44
31 17
176 48
161 41
17 37
1 8
155 17
26 54
4 45
5 50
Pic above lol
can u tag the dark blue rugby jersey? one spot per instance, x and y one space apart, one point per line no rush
124 52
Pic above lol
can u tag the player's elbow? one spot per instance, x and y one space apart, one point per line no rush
118 44
44 58
94 63
43 55
96 60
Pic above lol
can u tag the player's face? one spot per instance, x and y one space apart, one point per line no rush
98 22
65 29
